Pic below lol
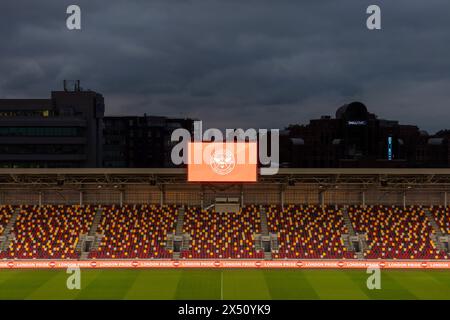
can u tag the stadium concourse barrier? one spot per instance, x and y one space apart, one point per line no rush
223 264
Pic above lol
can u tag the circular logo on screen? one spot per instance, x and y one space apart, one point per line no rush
222 162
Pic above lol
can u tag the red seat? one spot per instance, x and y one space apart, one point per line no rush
49 232
135 231
395 233
222 235
308 232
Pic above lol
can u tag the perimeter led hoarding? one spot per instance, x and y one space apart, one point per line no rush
222 162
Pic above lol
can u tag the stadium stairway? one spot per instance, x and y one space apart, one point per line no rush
346 238
80 243
185 244
7 237
352 238
348 222
5 241
274 245
264 226
92 237
433 223
438 237
362 242
268 256
96 222
272 238
11 221
180 222
179 236
97 241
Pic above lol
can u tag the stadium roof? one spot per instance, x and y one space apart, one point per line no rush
157 176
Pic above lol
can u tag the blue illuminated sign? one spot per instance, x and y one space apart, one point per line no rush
389 150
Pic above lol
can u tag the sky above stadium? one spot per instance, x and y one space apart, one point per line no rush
247 63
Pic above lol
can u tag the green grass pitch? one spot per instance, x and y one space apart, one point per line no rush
224 284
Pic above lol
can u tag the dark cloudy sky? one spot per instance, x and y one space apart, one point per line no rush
251 63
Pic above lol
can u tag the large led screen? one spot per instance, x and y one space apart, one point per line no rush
222 162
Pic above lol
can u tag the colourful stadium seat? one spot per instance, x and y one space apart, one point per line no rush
6 212
302 231
308 232
49 232
222 235
395 233
135 231
442 216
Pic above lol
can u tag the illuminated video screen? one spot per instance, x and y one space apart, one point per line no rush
222 162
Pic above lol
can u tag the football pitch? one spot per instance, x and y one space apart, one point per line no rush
224 284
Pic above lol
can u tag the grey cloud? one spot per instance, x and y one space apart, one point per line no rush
235 63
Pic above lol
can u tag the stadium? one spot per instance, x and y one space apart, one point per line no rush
224 158
152 234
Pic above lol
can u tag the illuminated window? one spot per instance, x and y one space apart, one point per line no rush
389 148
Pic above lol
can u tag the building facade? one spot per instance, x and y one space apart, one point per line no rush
69 130
140 142
63 131
356 138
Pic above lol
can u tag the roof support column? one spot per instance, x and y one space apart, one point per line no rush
445 198
202 197
40 198
282 195
321 198
121 198
404 199
81 198
162 194
364 199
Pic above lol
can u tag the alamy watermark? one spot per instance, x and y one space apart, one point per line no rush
268 146
374 280
73 21
74 280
